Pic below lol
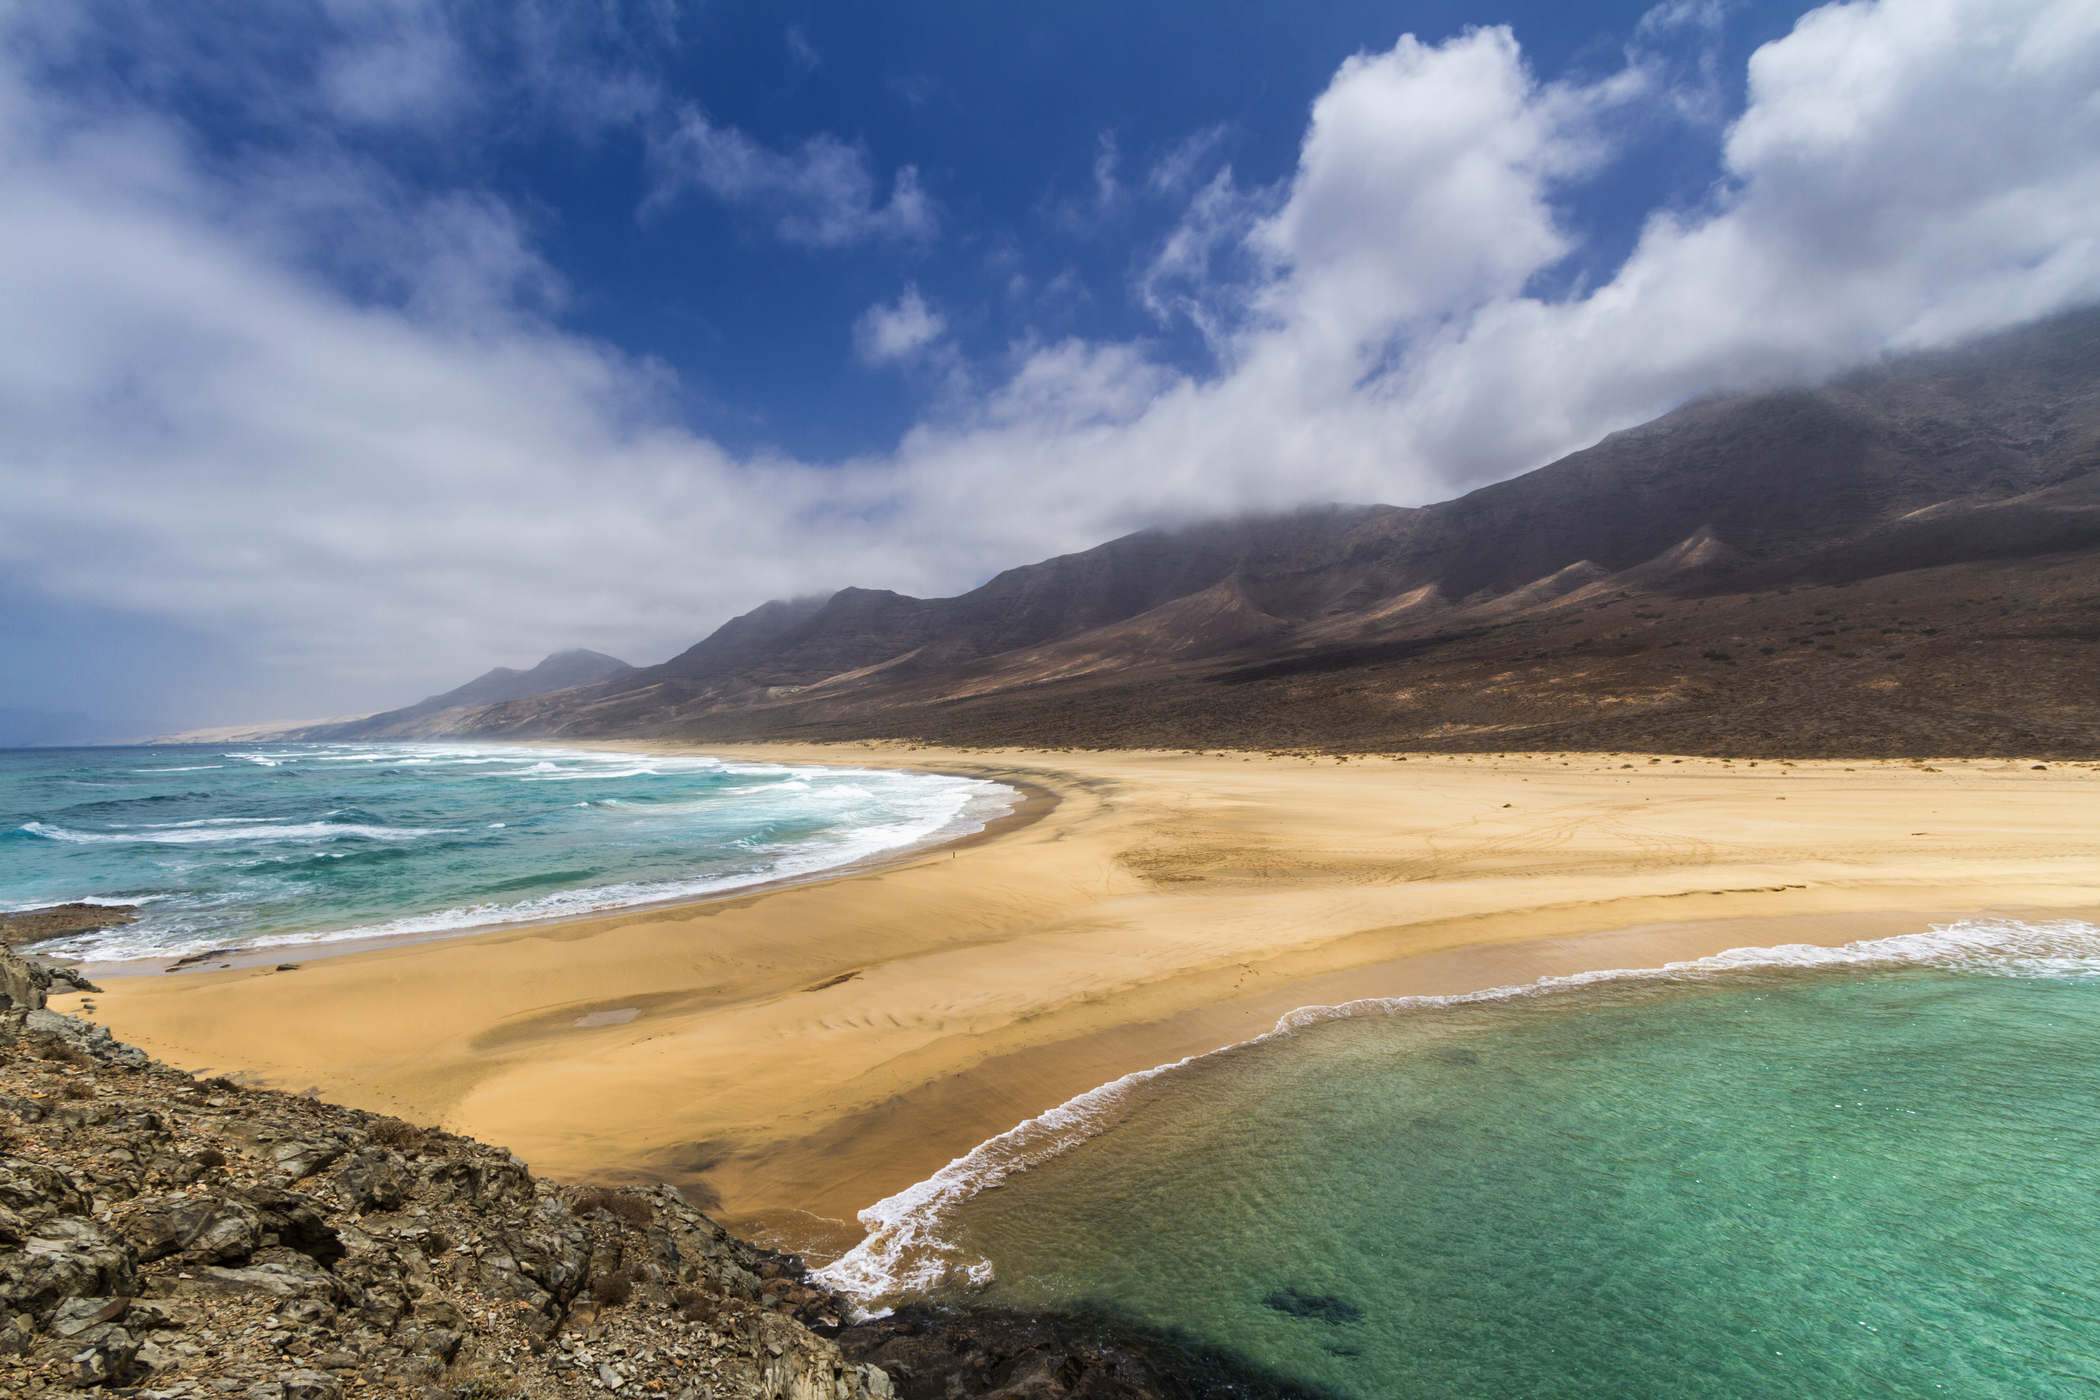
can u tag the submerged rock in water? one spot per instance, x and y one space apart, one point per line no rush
1320 1307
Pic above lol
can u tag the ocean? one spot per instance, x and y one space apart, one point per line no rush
260 846
1864 1171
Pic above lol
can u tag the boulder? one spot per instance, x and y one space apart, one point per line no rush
22 987
373 1179
201 1229
34 1191
297 1221
291 1277
68 1257
104 1356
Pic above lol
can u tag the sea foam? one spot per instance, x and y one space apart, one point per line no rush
905 1250
237 869
205 832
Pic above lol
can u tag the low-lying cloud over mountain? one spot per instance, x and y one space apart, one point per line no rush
354 418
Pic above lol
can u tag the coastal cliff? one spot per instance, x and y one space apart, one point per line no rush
166 1236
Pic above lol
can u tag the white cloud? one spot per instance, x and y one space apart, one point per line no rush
802 54
1107 188
820 193
900 330
429 475
397 64
1176 172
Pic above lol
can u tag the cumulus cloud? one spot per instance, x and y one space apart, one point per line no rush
405 469
897 331
821 193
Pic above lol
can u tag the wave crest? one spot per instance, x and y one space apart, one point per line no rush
229 829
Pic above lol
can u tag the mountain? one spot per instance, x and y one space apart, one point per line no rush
449 713
1905 560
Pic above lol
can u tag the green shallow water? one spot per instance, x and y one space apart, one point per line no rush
1873 1180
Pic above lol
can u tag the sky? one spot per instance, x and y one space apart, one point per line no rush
351 347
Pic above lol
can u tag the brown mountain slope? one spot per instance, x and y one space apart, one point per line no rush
1906 560
439 713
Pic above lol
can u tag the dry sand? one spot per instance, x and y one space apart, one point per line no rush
803 1052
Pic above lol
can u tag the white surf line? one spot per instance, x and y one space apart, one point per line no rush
904 1253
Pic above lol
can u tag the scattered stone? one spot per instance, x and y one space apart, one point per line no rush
203 1239
170 1237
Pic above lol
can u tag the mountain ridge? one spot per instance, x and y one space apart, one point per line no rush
559 670
1973 472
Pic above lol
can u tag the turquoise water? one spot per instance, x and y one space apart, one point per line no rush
296 843
1792 1172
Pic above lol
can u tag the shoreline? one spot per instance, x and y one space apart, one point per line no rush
794 1055
1031 803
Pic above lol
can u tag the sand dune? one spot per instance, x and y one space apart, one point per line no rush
803 1052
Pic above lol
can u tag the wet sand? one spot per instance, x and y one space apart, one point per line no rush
796 1054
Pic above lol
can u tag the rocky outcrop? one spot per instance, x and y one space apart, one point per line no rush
165 1237
24 926
171 1237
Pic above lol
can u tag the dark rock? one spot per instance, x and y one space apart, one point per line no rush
24 1110
301 1159
311 1385
22 986
480 1182
451 1273
553 1249
78 1037
373 1179
1319 1307
291 1277
939 1353
297 1222
67 1257
35 1191
201 1229
77 1315
61 920
104 1357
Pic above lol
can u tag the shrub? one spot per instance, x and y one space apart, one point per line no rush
628 1210
487 1387
614 1288
392 1132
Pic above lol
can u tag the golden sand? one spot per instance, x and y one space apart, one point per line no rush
805 1051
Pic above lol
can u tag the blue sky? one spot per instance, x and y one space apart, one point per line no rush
361 347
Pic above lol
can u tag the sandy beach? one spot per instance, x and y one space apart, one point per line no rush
792 1056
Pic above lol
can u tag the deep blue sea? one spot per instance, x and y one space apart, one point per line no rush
245 846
